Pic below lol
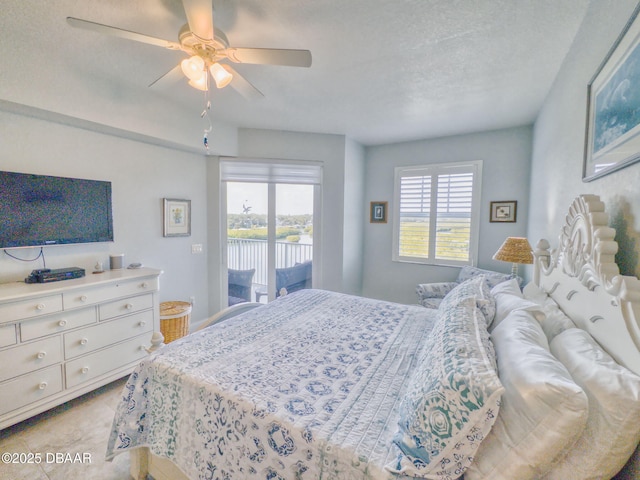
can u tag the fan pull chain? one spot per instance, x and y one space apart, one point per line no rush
205 113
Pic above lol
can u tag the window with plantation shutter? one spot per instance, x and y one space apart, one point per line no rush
436 213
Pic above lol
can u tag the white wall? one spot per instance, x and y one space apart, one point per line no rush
506 158
142 175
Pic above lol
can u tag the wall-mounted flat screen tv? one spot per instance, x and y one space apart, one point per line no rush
40 210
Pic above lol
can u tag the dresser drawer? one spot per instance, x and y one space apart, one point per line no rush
125 306
34 307
56 323
8 335
90 366
90 296
30 356
30 388
87 340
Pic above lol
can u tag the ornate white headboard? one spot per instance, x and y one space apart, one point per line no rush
582 277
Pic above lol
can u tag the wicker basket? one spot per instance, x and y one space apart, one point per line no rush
174 320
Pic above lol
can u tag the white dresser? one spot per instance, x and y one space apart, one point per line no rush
62 339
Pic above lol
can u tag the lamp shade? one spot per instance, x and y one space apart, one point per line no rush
515 250
200 83
193 67
220 75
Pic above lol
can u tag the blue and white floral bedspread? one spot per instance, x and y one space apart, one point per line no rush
306 387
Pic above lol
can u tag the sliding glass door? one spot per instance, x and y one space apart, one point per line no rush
247 241
294 237
270 235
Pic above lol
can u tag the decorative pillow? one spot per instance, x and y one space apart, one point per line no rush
493 278
475 287
543 412
613 427
452 399
431 302
434 290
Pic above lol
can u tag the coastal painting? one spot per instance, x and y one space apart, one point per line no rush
613 120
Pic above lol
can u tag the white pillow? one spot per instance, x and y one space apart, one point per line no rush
533 292
507 303
510 287
555 320
613 427
542 412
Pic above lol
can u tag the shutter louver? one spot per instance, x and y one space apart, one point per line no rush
453 220
415 207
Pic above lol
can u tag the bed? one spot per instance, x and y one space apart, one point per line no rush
324 385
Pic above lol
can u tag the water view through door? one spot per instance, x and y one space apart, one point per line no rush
269 239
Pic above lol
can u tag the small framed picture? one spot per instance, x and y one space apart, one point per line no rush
378 212
177 217
504 212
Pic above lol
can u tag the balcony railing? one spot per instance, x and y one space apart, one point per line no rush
243 254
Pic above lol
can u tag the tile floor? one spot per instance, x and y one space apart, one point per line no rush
80 426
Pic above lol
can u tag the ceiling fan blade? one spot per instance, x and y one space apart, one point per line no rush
172 76
242 85
270 56
200 17
119 32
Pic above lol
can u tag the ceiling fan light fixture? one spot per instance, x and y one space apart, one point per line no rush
200 83
220 75
193 67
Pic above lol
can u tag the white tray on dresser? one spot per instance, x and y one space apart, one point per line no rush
62 339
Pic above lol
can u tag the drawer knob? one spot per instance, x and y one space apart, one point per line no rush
83 298
41 306
42 385
84 369
62 323
41 355
144 285
84 341
142 323
128 306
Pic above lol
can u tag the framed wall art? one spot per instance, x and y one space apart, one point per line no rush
612 139
177 217
378 212
503 212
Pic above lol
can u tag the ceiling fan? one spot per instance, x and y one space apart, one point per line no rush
208 50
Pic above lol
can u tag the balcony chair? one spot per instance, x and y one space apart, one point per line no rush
293 278
240 285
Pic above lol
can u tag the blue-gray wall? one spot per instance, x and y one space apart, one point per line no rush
142 175
558 142
558 146
506 156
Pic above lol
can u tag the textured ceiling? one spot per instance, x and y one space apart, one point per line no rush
382 71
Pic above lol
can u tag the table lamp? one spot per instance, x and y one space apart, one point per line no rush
515 250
